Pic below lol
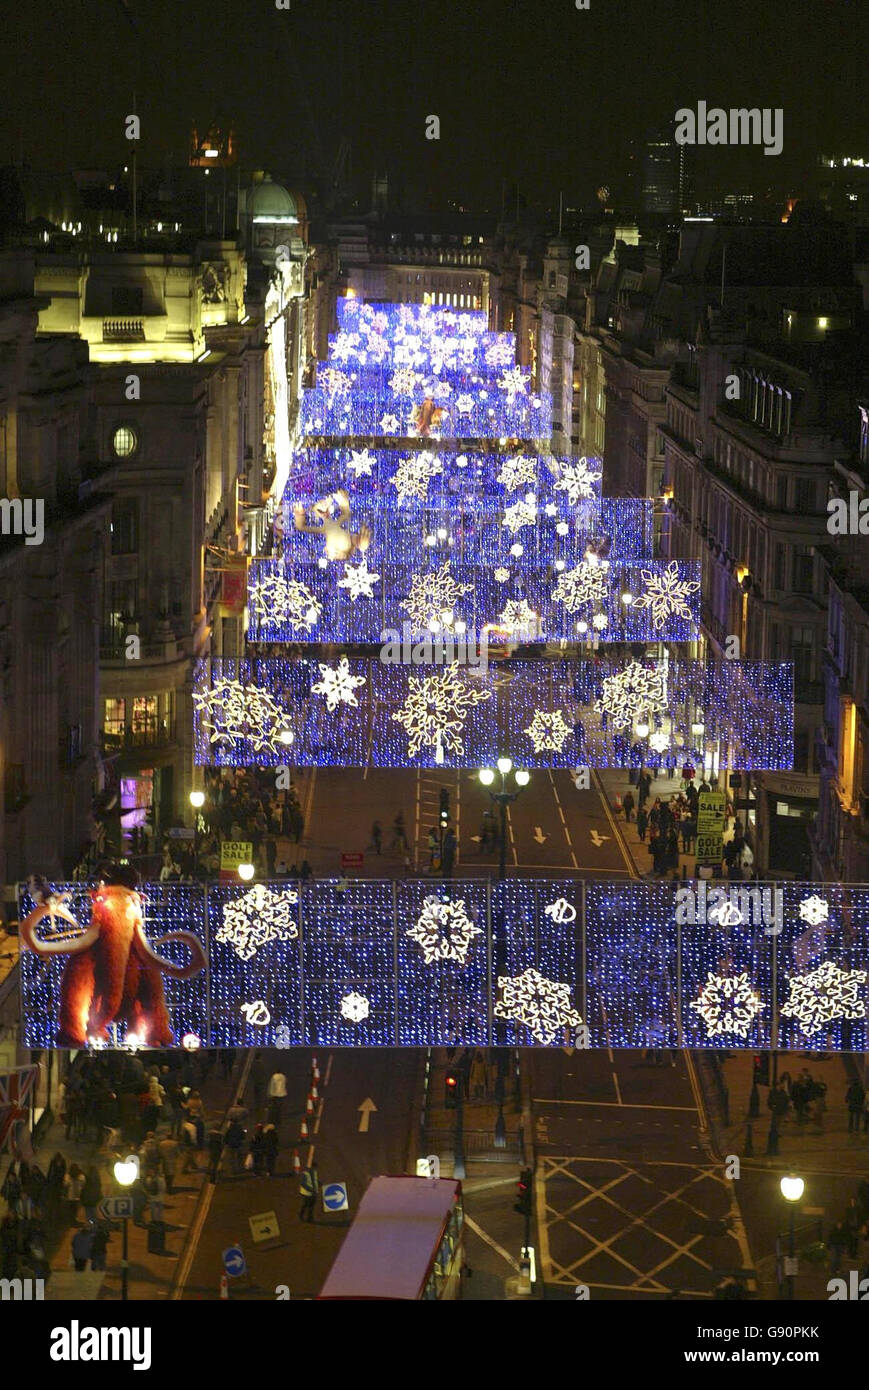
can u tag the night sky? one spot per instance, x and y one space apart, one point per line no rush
532 91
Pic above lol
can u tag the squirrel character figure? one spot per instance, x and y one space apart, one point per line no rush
426 417
340 544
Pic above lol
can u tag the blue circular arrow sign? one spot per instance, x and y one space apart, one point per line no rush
233 1261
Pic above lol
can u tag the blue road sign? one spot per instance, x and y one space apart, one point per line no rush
233 1261
335 1196
115 1208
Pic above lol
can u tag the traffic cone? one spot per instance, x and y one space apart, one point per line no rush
297 1163
303 1132
224 1286
309 1104
315 1094
315 1070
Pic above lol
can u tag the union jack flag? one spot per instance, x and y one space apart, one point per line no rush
16 1088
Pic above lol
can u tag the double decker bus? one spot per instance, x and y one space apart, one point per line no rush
406 1242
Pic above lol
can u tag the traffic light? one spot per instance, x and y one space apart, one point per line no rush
522 1205
445 806
761 1069
451 1090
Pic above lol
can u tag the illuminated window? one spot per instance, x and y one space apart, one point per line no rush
114 718
144 722
125 442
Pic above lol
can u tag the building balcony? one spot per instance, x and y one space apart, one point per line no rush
123 331
156 735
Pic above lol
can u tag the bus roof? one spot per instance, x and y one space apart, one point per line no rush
388 1251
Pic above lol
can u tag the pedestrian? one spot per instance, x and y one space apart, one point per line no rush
837 1240
215 1153
628 806
168 1150
855 1099
82 1245
399 837
9 1246
72 1189
227 1062
306 872
257 1154
448 853
271 1145
195 1111
189 1147
478 1076
642 822
777 1100
91 1194
377 837
309 1186
156 1189
99 1245
234 1141
237 1111
277 1098
434 844
688 828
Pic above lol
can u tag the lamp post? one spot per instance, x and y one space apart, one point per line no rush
792 1189
503 797
197 801
246 872
126 1173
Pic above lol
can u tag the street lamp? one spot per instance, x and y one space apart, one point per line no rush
126 1173
197 801
792 1188
246 872
504 797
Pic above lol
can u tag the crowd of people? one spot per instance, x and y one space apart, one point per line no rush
670 823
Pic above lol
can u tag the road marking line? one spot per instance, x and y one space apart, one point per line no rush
319 1115
310 1155
615 1105
193 1234
328 1069
499 1249
616 1084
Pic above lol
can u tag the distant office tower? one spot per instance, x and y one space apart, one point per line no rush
664 174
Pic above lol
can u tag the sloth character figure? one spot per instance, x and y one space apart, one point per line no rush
340 544
112 974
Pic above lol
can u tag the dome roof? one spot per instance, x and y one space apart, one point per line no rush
270 200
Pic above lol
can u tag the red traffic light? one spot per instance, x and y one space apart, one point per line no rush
452 1080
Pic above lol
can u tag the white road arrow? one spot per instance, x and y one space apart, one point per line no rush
365 1112
539 836
597 839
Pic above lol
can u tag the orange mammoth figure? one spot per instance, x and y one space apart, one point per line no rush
112 974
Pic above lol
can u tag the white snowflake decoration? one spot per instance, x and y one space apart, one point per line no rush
355 1007
599 621
432 596
548 731
630 693
499 354
358 580
814 910
464 403
659 741
666 595
337 684
390 424
285 601
414 473
403 381
444 930
235 712
333 381
360 461
520 514
435 710
727 1004
577 480
256 918
514 382
544 1006
520 470
518 618
825 994
585 583
500 574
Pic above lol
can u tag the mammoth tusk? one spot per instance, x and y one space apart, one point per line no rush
82 942
177 972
